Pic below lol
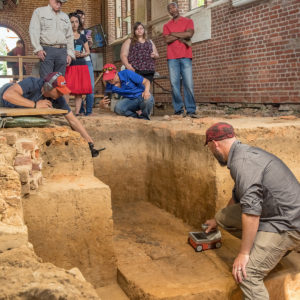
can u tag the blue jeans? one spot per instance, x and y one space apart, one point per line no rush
128 107
182 68
89 97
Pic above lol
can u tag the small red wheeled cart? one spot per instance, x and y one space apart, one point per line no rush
202 241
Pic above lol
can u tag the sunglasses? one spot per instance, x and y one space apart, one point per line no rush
109 69
73 15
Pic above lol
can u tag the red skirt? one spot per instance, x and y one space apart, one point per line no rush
78 79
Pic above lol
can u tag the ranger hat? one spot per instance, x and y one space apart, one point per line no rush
219 131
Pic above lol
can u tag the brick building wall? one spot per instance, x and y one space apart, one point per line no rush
253 55
17 18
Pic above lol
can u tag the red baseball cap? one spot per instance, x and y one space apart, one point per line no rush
109 72
58 81
219 131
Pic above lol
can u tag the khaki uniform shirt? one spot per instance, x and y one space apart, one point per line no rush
50 28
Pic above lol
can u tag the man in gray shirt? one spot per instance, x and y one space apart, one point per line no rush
264 210
52 38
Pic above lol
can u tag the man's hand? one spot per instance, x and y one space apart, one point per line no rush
43 104
104 102
41 55
212 225
169 39
250 225
77 54
146 95
188 42
90 40
239 267
69 60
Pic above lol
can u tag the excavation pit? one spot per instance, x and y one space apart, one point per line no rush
165 183
126 214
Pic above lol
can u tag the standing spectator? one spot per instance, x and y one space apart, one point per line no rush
77 74
52 38
89 97
178 33
138 54
17 51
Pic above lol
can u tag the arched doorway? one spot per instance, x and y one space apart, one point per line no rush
8 42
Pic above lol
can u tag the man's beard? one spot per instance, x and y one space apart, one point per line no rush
219 157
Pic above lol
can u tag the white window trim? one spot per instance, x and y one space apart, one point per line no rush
120 40
189 13
238 3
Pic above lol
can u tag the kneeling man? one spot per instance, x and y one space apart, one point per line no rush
264 210
42 93
137 101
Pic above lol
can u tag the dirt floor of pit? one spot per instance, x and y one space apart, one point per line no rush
152 252
154 259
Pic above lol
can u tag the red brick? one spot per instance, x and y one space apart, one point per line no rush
22 160
36 166
29 146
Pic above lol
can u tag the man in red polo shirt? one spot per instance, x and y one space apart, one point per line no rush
178 33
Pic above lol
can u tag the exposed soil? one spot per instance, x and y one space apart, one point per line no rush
163 183
154 259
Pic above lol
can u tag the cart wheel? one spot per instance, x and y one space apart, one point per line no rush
218 245
199 248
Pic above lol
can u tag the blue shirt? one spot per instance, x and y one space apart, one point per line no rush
131 85
32 90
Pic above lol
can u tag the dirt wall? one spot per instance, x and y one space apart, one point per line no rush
69 215
156 164
166 163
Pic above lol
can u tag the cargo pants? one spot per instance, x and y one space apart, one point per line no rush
267 251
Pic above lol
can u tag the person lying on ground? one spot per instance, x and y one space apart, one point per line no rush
42 93
137 102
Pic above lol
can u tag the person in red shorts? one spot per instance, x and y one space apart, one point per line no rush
178 33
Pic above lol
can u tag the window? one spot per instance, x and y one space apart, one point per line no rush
140 11
196 3
123 18
128 17
118 19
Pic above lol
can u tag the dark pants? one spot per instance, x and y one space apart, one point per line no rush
55 61
15 70
146 74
